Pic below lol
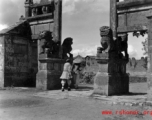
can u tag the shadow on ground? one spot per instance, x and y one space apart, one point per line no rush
85 87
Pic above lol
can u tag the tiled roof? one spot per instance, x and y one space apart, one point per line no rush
5 31
78 56
90 56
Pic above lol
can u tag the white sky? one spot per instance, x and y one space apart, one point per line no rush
81 21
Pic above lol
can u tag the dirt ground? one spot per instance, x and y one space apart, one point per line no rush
20 104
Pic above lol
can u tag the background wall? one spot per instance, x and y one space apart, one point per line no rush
20 61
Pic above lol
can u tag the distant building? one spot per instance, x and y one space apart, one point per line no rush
91 64
79 57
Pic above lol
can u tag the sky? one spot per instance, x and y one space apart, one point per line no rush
81 20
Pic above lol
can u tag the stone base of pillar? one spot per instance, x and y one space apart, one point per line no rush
115 84
48 76
111 79
149 83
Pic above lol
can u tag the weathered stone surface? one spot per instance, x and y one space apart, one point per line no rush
47 80
113 17
41 27
2 61
48 76
133 19
57 20
105 84
136 15
132 15
18 71
48 45
132 3
149 71
111 78
46 15
19 57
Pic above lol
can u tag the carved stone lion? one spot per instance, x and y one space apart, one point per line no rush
67 48
105 33
48 43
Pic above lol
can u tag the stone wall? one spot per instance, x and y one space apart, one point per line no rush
1 61
20 61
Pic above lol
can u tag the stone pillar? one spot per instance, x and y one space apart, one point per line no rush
27 7
113 17
58 22
111 78
2 55
48 76
149 71
49 70
50 63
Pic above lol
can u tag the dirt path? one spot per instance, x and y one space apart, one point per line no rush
22 105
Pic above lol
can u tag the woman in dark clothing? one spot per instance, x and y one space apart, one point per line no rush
76 72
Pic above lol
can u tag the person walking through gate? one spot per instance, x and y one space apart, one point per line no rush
76 74
66 74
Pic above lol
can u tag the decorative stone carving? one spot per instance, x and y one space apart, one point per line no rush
105 33
111 78
48 45
45 9
34 11
67 48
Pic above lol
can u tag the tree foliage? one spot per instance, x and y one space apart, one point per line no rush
145 42
138 33
145 46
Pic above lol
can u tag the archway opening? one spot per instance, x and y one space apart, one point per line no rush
137 65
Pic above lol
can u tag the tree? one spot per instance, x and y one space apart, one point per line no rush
145 46
144 43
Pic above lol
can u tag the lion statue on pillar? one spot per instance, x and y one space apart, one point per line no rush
106 40
47 44
67 48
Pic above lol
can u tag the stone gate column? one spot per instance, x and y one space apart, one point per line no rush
113 17
27 8
149 71
111 78
2 53
50 63
58 22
